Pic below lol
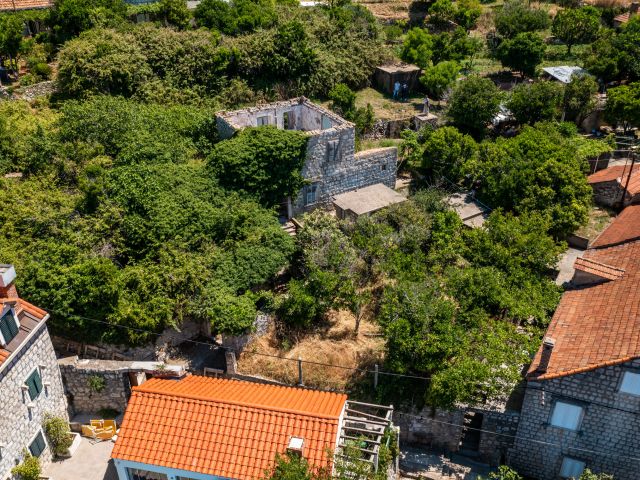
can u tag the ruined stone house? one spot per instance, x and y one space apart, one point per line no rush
616 186
30 382
582 402
332 165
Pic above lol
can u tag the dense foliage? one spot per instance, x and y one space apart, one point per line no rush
518 16
474 103
534 102
576 25
614 54
522 53
623 105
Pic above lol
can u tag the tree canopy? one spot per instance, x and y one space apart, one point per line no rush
576 25
473 104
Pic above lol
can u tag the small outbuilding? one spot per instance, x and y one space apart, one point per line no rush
617 185
471 212
365 201
387 75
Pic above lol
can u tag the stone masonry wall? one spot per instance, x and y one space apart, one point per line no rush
608 434
19 424
494 448
76 375
607 193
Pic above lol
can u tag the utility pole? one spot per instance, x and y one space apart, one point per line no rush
626 184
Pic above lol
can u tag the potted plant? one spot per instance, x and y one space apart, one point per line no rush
62 441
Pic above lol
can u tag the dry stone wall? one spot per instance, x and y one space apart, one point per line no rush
20 417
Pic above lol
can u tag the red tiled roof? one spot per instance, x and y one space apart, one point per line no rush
227 428
21 307
599 325
612 173
622 18
600 269
10 5
624 228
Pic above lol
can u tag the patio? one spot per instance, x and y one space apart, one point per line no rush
90 462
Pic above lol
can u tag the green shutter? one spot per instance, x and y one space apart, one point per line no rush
37 446
8 327
34 382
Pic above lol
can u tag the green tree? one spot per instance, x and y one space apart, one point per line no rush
29 469
533 102
576 25
446 151
623 105
504 473
467 13
102 61
293 57
174 13
69 18
602 58
456 45
291 467
417 47
265 162
442 12
440 78
579 97
517 16
522 53
216 14
11 28
473 104
58 434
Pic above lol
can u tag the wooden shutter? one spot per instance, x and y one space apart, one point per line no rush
37 446
34 382
8 327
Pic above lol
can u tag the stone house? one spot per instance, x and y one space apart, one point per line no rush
581 407
204 428
30 382
613 183
332 165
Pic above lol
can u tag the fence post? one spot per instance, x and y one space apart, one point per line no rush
375 376
300 382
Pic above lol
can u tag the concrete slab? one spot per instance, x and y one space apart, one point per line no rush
92 461
469 209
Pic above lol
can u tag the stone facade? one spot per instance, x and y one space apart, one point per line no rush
20 418
607 438
332 165
77 375
607 193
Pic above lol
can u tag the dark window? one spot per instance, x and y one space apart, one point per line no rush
383 167
34 382
8 326
264 120
287 118
333 150
137 474
37 446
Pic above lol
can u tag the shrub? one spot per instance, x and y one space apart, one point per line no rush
531 103
516 16
58 434
439 78
522 53
96 383
41 69
417 47
29 469
298 308
473 104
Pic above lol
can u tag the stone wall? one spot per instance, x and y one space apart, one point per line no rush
606 193
608 433
494 447
76 375
20 418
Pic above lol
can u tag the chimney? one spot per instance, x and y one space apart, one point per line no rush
547 349
7 278
295 447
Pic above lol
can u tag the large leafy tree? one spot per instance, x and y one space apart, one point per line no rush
517 16
447 151
69 18
440 78
522 53
531 103
473 104
11 28
623 105
579 97
417 47
265 162
576 25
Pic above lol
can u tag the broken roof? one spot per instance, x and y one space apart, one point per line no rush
227 428
599 325
564 72
368 199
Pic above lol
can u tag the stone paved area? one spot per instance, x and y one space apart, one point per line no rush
90 462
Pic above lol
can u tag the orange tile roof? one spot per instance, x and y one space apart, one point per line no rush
612 173
10 5
598 325
228 428
21 307
596 268
624 228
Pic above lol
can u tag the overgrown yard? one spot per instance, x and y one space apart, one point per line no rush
332 343
599 219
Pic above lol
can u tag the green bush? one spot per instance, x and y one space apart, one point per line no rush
517 16
96 383
522 53
298 307
440 78
58 434
417 47
29 469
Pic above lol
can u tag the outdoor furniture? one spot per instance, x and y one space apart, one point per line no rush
100 429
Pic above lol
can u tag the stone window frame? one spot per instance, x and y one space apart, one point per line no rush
633 371
567 457
315 186
259 119
583 407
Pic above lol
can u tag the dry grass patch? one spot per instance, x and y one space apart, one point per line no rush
332 343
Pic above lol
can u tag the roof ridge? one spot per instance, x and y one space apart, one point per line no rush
201 398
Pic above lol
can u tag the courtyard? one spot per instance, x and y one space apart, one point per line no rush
91 461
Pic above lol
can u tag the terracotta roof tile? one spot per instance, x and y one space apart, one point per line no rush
21 307
9 5
600 269
625 228
599 325
227 428
612 173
